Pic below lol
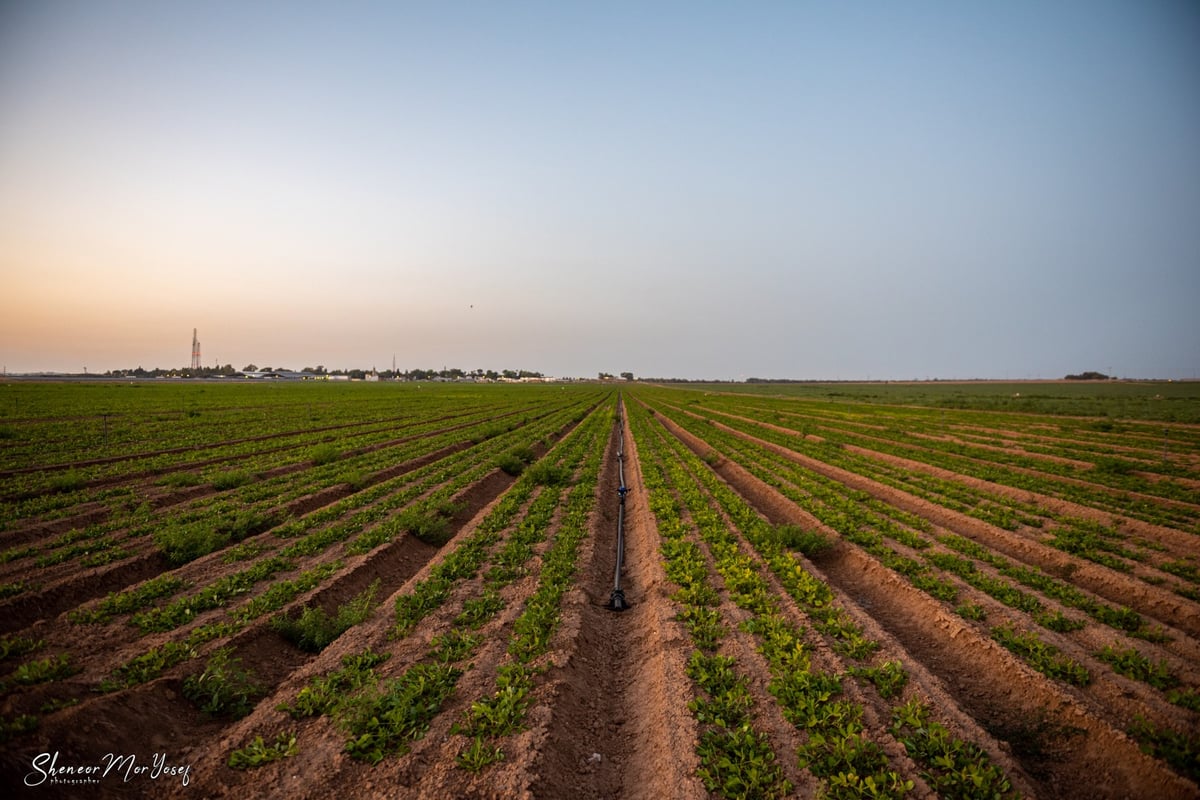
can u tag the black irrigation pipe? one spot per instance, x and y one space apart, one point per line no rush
617 601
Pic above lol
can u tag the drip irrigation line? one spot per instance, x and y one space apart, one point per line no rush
617 601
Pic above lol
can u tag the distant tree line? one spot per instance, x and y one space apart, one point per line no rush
449 374
454 374
158 372
1088 376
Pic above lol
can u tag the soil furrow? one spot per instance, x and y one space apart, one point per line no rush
619 725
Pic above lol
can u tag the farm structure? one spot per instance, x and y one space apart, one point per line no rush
393 590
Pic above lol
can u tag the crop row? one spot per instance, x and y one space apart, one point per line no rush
1086 538
869 523
489 720
1066 406
899 541
1071 439
57 424
837 748
370 517
366 518
231 461
192 529
737 758
1107 484
381 715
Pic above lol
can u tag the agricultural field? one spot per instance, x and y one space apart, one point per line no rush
375 590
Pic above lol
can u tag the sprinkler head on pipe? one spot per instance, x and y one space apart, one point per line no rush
616 601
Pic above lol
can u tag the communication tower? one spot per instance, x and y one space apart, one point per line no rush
195 350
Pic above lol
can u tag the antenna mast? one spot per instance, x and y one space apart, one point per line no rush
195 350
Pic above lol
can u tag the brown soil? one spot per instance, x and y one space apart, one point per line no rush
619 725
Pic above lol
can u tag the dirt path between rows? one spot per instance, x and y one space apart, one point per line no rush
619 725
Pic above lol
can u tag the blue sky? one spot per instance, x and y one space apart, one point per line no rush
803 189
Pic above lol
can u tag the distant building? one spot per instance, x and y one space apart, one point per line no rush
279 375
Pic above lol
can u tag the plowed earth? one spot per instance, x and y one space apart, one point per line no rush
610 708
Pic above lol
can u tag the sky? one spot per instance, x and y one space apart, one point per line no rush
810 190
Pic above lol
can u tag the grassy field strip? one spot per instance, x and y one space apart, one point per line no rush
185 533
1088 442
416 409
39 497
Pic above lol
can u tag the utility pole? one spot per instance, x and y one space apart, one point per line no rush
195 350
